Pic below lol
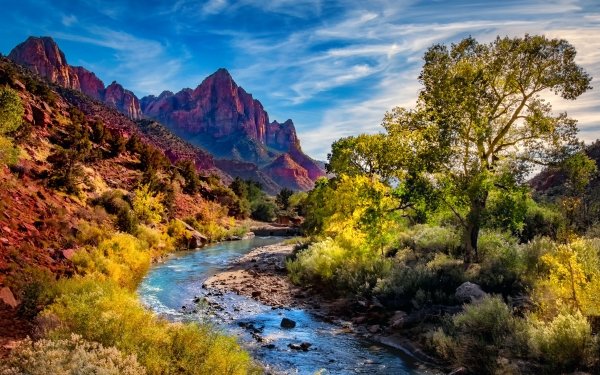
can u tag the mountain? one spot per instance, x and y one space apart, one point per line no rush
218 116
224 119
42 56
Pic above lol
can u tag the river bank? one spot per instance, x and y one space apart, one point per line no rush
261 275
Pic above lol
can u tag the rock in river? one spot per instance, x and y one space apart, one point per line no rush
287 323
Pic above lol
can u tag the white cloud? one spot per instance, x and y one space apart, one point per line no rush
68 20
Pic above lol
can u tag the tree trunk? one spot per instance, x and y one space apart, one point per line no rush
473 225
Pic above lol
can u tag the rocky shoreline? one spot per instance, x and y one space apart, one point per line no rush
261 275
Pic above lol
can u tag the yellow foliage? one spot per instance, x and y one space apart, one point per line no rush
147 206
103 312
572 281
122 258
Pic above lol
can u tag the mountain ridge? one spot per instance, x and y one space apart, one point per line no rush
217 116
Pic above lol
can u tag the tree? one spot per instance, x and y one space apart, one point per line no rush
147 205
11 114
187 169
283 198
11 110
481 119
365 154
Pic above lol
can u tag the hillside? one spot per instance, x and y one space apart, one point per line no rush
80 169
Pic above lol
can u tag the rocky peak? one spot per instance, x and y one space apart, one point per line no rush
43 56
124 100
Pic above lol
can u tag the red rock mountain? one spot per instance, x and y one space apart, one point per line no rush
217 116
42 56
223 118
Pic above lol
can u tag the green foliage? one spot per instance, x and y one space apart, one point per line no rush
147 206
475 337
152 159
541 221
480 120
187 169
251 200
563 344
341 268
283 198
263 210
11 113
429 239
72 355
11 110
116 203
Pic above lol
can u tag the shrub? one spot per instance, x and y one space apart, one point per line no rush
264 211
342 269
114 201
179 233
102 312
501 263
147 206
430 239
11 113
570 279
415 284
475 337
563 344
122 258
11 110
73 355
541 221
89 234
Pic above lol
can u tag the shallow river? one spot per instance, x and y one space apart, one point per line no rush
176 282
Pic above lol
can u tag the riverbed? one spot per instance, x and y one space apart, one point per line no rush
173 289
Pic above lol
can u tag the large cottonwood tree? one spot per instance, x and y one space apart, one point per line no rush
482 117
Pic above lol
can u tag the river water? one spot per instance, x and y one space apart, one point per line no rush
175 283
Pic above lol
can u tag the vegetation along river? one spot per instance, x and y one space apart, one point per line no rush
177 282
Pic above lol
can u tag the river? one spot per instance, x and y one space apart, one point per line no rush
177 281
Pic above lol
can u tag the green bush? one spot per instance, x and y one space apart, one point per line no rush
410 284
116 203
476 337
71 356
341 269
541 221
500 266
430 239
563 344
11 114
264 211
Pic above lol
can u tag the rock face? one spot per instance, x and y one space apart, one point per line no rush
223 118
287 173
42 56
123 100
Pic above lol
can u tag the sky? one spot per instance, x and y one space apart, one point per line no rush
334 67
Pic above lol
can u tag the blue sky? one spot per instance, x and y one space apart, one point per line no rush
334 67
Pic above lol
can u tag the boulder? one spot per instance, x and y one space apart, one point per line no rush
469 292
8 297
374 328
287 323
397 320
302 346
